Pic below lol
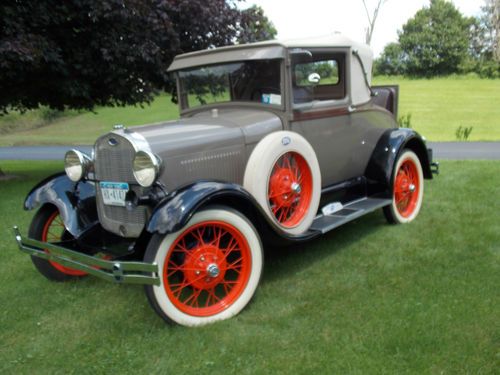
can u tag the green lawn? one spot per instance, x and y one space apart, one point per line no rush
368 298
437 106
84 128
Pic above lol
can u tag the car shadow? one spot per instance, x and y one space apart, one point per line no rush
285 261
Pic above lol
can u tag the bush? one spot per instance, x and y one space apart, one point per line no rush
488 69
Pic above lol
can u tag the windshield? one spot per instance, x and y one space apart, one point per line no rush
245 81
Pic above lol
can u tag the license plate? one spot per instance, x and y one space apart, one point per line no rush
113 193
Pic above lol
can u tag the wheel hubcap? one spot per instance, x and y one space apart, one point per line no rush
213 270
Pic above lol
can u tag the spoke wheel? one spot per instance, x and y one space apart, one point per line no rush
408 189
290 189
47 226
54 231
209 270
283 176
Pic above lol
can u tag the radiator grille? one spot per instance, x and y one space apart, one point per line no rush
113 163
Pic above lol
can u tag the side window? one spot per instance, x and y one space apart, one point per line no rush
317 77
317 73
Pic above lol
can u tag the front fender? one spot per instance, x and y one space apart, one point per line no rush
175 211
74 200
387 150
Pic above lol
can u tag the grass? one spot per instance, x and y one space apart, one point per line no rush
438 107
367 298
84 128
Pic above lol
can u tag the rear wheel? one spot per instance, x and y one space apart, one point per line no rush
408 189
209 270
47 226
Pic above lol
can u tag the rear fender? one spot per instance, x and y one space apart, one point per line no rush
74 200
387 150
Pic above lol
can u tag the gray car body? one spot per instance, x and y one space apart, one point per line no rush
214 142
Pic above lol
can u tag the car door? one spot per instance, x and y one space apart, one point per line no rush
342 138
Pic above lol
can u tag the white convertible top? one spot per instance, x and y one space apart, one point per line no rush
275 49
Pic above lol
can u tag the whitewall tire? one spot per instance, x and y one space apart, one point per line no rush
408 189
209 270
283 175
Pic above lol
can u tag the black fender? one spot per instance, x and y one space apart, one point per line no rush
386 152
173 213
74 200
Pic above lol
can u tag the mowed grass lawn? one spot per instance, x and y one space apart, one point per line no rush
367 298
437 106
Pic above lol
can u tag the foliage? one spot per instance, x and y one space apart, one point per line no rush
392 61
83 53
404 121
487 31
435 40
462 133
254 26
367 298
488 69
484 50
434 43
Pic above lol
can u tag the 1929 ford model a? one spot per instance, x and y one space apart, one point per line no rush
277 141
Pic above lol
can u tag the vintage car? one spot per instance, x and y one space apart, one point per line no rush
278 142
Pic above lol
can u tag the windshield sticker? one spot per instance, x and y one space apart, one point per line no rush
271 99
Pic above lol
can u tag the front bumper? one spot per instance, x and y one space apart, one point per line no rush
109 270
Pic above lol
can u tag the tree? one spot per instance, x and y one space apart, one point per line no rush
254 26
82 53
372 18
436 40
392 61
486 41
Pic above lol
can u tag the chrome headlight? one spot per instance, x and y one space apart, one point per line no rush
76 164
146 168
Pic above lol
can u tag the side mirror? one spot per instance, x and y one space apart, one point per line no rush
314 78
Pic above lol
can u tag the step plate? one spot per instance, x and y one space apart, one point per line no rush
351 211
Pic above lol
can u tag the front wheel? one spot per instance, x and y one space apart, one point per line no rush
47 226
209 270
408 189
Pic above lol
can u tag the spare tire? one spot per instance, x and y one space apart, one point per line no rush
283 175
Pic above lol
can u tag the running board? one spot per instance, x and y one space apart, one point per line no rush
350 211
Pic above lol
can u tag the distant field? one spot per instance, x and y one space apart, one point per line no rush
367 298
437 106
83 128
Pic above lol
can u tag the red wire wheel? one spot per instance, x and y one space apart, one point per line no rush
53 231
207 268
407 188
290 189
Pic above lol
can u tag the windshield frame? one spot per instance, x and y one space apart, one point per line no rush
185 108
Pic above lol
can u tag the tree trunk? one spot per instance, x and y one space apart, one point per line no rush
371 20
496 23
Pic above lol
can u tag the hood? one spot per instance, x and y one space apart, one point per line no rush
208 130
